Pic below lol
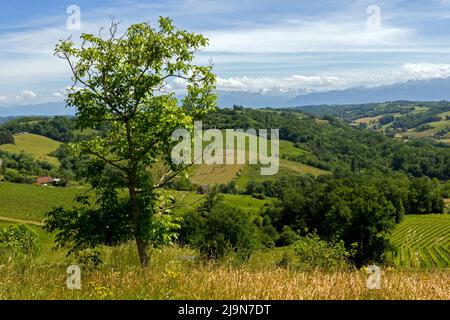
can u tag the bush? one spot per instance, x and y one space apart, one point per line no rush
285 261
258 196
287 237
222 230
316 253
230 187
18 241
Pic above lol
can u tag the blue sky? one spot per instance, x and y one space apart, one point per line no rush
256 45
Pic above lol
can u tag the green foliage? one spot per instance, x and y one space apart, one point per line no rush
387 119
316 253
286 237
108 221
182 183
89 227
18 241
346 207
6 137
23 168
222 230
424 197
230 187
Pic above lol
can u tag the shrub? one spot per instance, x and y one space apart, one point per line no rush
285 261
230 187
222 230
287 237
316 253
18 241
259 196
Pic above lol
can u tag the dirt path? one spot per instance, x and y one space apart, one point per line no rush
21 221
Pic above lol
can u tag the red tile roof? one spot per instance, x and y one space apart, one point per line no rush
43 180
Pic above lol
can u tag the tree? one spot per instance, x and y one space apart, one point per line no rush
343 206
217 229
424 197
6 137
122 83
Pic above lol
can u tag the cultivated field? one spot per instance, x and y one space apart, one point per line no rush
29 202
424 241
221 174
214 174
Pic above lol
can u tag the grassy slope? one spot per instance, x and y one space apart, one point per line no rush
29 202
190 200
35 145
287 168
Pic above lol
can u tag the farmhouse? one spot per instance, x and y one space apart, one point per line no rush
46 181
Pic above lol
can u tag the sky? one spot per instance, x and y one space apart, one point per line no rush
255 45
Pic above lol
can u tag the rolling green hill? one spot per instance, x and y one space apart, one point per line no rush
35 145
242 173
402 119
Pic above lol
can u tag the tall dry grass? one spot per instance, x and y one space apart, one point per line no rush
171 278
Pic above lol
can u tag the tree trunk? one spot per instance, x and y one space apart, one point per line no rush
137 219
142 249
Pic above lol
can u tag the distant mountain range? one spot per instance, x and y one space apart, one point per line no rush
271 98
416 90
44 109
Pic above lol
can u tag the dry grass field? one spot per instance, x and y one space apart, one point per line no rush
170 277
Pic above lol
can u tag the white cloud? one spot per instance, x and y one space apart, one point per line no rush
426 70
294 82
57 95
27 94
340 80
253 54
303 36
23 97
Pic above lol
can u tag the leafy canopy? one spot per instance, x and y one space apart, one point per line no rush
125 85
